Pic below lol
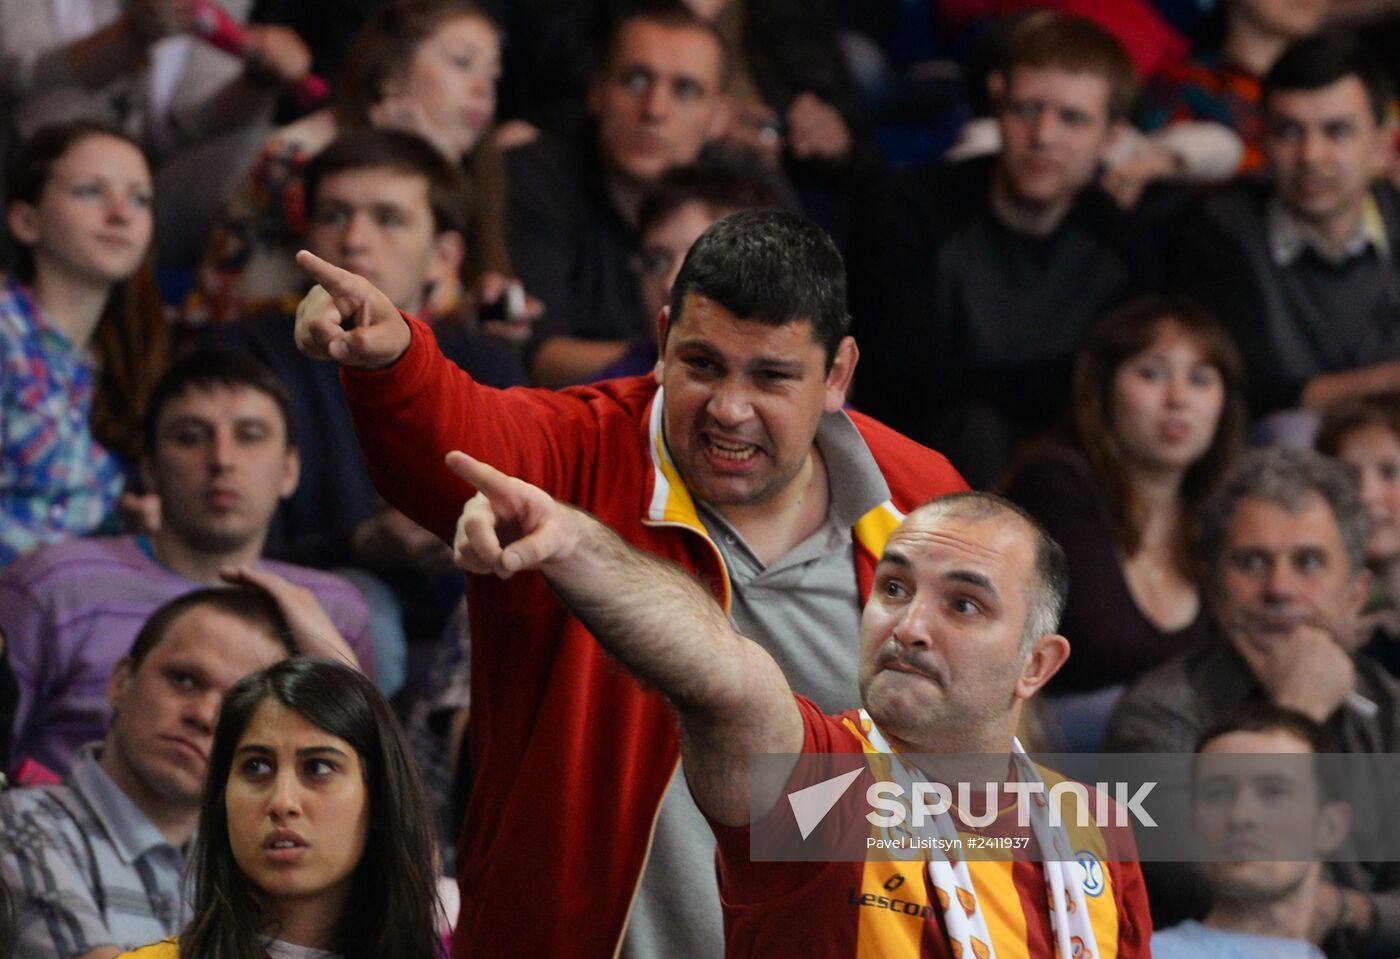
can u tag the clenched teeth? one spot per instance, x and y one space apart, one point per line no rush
732 451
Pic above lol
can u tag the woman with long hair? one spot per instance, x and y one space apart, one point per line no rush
82 334
1157 416
315 838
425 66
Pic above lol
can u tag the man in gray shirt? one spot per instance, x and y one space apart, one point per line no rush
95 863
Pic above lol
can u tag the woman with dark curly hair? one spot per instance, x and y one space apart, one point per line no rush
315 839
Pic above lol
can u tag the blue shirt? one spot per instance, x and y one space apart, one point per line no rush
1191 940
56 480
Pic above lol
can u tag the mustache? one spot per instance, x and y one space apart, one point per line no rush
922 661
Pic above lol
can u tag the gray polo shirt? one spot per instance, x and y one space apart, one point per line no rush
804 608
86 867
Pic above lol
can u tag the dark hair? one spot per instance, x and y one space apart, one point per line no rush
1288 477
391 908
1263 716
448 194
1047 596
721 189
1348 416
252 605
206 369
1322 59
130 340
381 52
1075 45
772 267
384 48
1117 338
673 16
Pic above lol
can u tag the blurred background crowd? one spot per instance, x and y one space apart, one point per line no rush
1095 251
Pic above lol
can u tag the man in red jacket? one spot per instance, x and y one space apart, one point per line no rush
958 634
736 461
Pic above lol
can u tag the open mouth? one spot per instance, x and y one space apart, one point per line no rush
1174 431
283 845
734 452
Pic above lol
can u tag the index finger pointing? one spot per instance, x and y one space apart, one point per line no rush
338 282
486 478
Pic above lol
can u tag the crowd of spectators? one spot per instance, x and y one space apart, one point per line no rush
1134 266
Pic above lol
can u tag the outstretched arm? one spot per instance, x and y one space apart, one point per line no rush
655 618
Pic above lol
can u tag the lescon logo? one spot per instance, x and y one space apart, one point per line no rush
811 804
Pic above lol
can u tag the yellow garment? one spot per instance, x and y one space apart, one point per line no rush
898 930
165 949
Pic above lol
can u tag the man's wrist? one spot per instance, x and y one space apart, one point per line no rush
1306 703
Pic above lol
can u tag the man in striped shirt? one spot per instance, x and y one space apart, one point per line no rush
95 863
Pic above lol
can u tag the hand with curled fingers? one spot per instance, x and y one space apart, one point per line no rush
1306 667
509 525
347 319
276 53
313 630
407 113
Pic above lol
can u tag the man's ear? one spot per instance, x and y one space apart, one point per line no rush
120 681
1333 824
1047 655
996 87
23 220
1387 155
838 378
719 119
449 250
663 321
291 473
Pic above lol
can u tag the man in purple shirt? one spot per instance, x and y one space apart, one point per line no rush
219 459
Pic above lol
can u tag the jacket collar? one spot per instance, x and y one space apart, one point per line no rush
669 502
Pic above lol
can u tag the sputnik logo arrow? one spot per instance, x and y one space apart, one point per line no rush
811 804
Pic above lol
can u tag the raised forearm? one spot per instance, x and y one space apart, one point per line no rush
652 616
565 360
1327 389
732 697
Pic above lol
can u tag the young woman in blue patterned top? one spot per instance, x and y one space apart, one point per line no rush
82 336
